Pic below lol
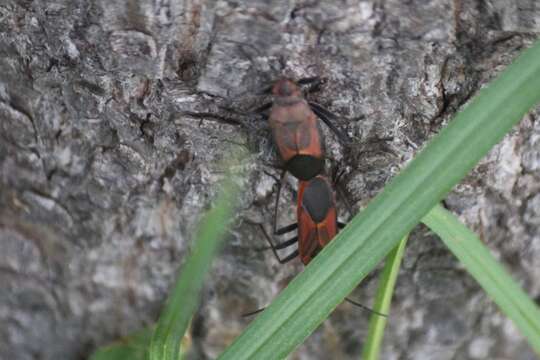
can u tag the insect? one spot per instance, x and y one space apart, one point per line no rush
317 222
316 225
296 130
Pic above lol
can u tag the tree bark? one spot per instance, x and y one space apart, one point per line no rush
116 115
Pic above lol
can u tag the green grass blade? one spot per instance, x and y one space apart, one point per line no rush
183 301
479 262
372 345
341 265
134 347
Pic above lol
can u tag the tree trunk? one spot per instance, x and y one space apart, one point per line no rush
116 115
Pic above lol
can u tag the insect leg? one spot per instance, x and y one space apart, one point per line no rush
286 244
281 180
253 312
365 307
314 83
337 174
260 109
289 257
308 80
325 116
286 229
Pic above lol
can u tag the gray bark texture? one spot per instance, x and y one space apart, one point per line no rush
114 123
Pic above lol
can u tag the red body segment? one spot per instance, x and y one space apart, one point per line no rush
317 217
296 131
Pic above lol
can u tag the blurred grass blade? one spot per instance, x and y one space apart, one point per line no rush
134 347
183 301
479 262
372 345
342 264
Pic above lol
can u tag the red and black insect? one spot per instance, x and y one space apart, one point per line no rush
296 130
317 224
